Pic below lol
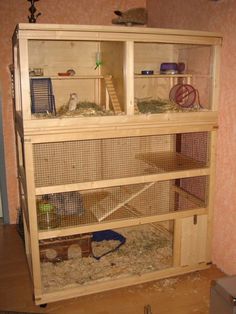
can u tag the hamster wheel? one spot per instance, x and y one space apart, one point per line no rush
183 94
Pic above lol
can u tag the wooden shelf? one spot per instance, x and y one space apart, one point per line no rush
74 77
163 76
170 161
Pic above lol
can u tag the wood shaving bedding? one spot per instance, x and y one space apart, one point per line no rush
145 250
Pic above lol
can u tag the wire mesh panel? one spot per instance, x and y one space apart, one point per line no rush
61 163
116 203
194 145
145 249
191 190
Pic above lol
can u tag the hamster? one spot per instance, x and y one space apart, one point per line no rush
73 101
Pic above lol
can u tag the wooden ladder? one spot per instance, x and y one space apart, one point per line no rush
112 94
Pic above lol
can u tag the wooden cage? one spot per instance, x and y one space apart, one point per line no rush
101 146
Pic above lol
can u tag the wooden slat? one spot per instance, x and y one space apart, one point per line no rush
122 181
177 242
51 130
129 77
31 203
24 78
86 32
211 194
113 29
115 283
214 95
66 231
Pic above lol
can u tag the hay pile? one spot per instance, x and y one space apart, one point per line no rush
85 109
157 106
161 106
145 250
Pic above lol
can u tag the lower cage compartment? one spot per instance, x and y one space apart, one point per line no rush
115 254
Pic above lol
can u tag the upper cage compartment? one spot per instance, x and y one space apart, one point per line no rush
87 76
125 71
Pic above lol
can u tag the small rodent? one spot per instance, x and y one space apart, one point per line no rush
73 101
67 203
131 17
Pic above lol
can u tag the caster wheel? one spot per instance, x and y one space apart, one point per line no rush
43 305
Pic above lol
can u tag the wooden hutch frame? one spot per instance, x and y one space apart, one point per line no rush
33 131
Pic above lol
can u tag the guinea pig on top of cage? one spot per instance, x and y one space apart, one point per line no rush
131 17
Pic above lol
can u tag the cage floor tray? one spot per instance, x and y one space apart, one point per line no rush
146 250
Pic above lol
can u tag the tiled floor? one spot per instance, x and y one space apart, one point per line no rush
188 294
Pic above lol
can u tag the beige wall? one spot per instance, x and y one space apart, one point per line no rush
219 16
53 11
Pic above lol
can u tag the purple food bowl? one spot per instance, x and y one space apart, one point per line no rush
172 68
169 68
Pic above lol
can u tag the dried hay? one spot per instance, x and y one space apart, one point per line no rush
157 106
153 106
83 109
145 250
90 109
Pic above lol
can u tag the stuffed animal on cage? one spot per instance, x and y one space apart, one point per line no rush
131 17
73 101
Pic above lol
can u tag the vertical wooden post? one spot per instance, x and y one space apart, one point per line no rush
17 87
177 242
212 160
107 100
33 226
24 78
214 101
129 77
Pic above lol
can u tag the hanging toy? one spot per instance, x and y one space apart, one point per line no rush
184 95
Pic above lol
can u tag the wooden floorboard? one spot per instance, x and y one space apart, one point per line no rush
188 294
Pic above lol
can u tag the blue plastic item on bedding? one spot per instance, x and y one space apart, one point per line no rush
107 235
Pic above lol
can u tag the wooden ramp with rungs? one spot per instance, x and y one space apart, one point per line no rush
116 198
112 94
